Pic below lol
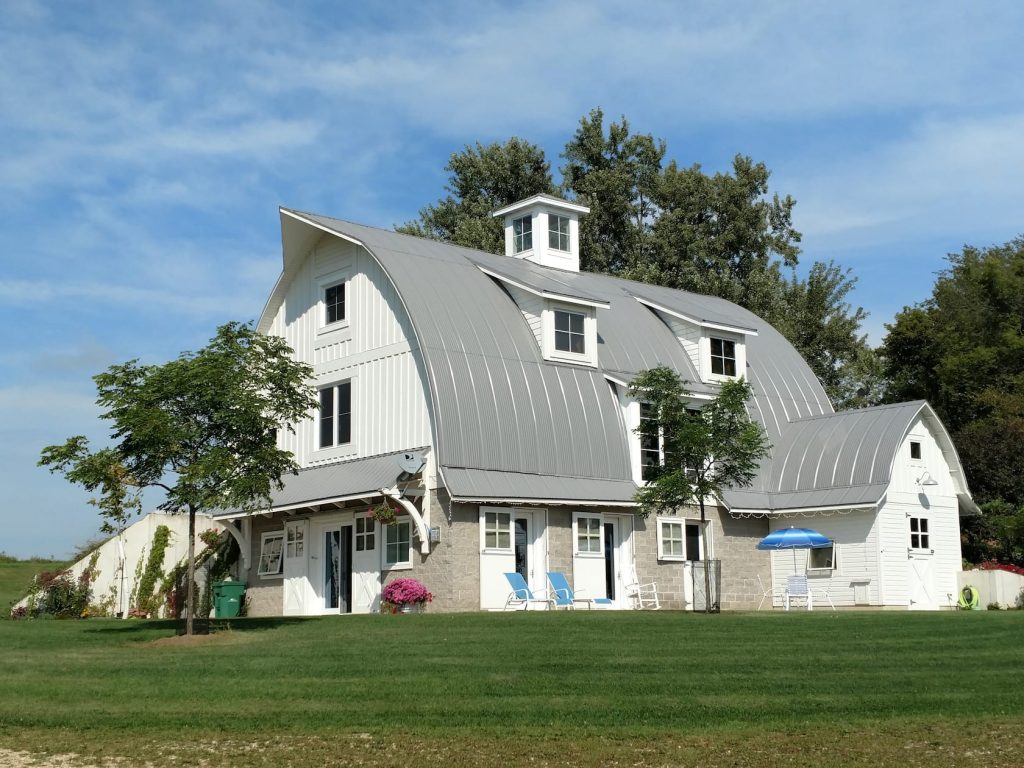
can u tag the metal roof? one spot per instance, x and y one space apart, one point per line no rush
509 424
334 482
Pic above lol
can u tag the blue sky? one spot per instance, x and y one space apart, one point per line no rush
144 153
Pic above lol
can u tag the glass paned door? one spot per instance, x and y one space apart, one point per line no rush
338 569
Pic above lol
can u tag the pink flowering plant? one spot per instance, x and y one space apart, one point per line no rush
405 592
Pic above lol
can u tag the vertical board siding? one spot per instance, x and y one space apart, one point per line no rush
389 397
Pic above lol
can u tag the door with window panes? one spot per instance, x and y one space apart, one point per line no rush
366 566
920 561
295 569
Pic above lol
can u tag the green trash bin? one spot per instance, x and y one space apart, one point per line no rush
227 599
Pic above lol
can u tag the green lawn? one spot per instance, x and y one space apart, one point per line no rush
525 689
15 577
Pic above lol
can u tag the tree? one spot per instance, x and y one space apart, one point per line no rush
202 427
616 176
705 451
483 179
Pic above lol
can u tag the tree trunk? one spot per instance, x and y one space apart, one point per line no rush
190 581
707 565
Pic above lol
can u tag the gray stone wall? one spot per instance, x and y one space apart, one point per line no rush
560 541
667 575
742 562
264 596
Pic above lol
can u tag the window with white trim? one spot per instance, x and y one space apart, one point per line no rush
271 550
570 335
588 534
558 232
336 415
822 558
498 530
398 545
522 234
366 529
671 540
334 303
920 538
723 357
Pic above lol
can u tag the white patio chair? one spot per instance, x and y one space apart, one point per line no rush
797 589
643 596
824 594
772 592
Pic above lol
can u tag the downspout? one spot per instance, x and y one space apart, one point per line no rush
421 525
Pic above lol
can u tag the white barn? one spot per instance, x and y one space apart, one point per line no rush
503 382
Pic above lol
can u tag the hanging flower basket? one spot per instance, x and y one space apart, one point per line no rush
405 596
383 513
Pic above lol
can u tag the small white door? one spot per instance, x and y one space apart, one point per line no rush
618 566
366 566
922 583
295 569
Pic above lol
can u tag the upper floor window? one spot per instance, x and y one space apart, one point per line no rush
915 450
569 334
558 232
723 357
522 234
334 303
652 443
336 414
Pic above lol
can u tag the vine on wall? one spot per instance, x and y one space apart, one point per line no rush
149 603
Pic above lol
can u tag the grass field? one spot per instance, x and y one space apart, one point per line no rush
601 688
15 577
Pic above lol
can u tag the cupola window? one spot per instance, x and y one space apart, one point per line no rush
522 234
558 232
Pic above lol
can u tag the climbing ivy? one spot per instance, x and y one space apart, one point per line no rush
149 603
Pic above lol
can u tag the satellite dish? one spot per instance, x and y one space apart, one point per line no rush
411 463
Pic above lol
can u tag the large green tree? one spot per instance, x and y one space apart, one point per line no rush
616 174
962 349
481 180
202 427
704 451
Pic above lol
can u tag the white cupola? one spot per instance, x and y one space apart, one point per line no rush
545 230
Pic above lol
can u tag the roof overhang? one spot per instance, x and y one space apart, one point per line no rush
694 320
565 298
552 202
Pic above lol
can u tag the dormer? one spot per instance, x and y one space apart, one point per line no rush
718 350
545 230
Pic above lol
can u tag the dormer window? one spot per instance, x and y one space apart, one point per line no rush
569 334
723 357
558 232
334 303
522 234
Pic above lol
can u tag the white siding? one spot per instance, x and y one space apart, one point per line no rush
532 306
856 538
936 503
376 350
688 335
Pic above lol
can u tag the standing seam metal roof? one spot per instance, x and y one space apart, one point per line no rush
502 413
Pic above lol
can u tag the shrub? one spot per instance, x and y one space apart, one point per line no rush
1019 603
59 595
993 607
991 565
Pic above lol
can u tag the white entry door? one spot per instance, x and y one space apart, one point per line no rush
618 566
366 565
529 552
511 540
921 574
296 533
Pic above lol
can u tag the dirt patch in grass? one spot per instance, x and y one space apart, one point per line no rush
188 641
893 743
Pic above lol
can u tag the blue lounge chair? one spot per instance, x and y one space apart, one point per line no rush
563 596
521 596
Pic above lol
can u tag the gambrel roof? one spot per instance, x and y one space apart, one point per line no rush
509 425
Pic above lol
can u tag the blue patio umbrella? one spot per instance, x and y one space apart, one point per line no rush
794 538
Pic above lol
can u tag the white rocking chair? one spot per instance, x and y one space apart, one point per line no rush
643 596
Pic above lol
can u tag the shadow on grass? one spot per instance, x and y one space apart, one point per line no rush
201 626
